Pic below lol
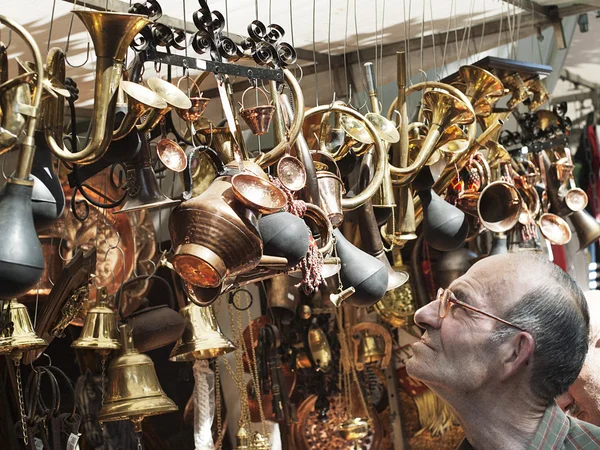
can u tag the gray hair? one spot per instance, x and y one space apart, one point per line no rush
555 313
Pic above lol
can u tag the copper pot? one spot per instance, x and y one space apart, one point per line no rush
214 236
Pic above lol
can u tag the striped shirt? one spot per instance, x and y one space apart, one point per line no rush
557 431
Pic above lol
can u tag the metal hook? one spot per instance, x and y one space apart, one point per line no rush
211 135
298 66
87 56
423 73
3 163
394 113
124 263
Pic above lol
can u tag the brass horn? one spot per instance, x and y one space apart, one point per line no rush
539 91
15 96
111 33
482 88
140 101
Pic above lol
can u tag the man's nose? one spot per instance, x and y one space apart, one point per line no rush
428 316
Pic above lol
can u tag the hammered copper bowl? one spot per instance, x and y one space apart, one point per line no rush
555 229
257 193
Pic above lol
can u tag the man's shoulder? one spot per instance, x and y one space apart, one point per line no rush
582 435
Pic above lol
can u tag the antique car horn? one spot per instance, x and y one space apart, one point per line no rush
134 391
202 338
110 54
142 186
21 258
365 273
100 327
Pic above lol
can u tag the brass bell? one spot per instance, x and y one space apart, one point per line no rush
134 391
202 338
20 337
100 327
260 442
258 118
372 344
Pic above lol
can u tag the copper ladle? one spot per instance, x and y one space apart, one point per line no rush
258 194
171 155
291 172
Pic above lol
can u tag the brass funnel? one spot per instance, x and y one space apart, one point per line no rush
140 101
586 227
386 129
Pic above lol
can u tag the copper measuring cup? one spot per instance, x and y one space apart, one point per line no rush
258 118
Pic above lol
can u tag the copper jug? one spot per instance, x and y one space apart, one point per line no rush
214 236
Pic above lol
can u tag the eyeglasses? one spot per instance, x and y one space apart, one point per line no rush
447 298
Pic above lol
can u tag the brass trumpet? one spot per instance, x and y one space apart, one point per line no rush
110 54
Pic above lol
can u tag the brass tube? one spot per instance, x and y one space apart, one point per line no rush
349 204
27 153
278 120
449 171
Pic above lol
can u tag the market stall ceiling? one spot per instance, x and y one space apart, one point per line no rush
340 25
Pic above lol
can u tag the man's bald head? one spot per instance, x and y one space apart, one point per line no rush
544 300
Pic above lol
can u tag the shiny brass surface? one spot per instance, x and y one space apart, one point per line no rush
202 338
140 101
211 239
23 337
586 228
554 229
453 140
194 112
221 139
499 206
547 119
100 327
483 89
111 33
134 391
52 86
291 173
497 154
386 129
354 429
539 91
257 193
380 152
372 344
14 95
171 94
331 190
517 88
397 306
317 353
171 155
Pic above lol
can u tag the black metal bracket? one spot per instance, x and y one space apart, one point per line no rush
253 73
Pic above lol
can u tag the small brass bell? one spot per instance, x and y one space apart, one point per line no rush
258 118
100 327
19 336
202 338
134 391
242 441
354 429
370 350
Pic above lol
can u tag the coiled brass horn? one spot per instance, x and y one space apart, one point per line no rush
111 33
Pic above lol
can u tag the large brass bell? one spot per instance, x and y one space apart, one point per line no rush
100 327
202 338
133 388
258 118
18 335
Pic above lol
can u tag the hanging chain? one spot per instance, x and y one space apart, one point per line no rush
103 379
254 373
139 441
21 401
218 405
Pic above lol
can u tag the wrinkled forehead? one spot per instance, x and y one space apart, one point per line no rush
499 281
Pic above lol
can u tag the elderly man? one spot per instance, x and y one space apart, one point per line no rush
500 344
583 398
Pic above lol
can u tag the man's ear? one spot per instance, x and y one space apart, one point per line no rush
518 353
